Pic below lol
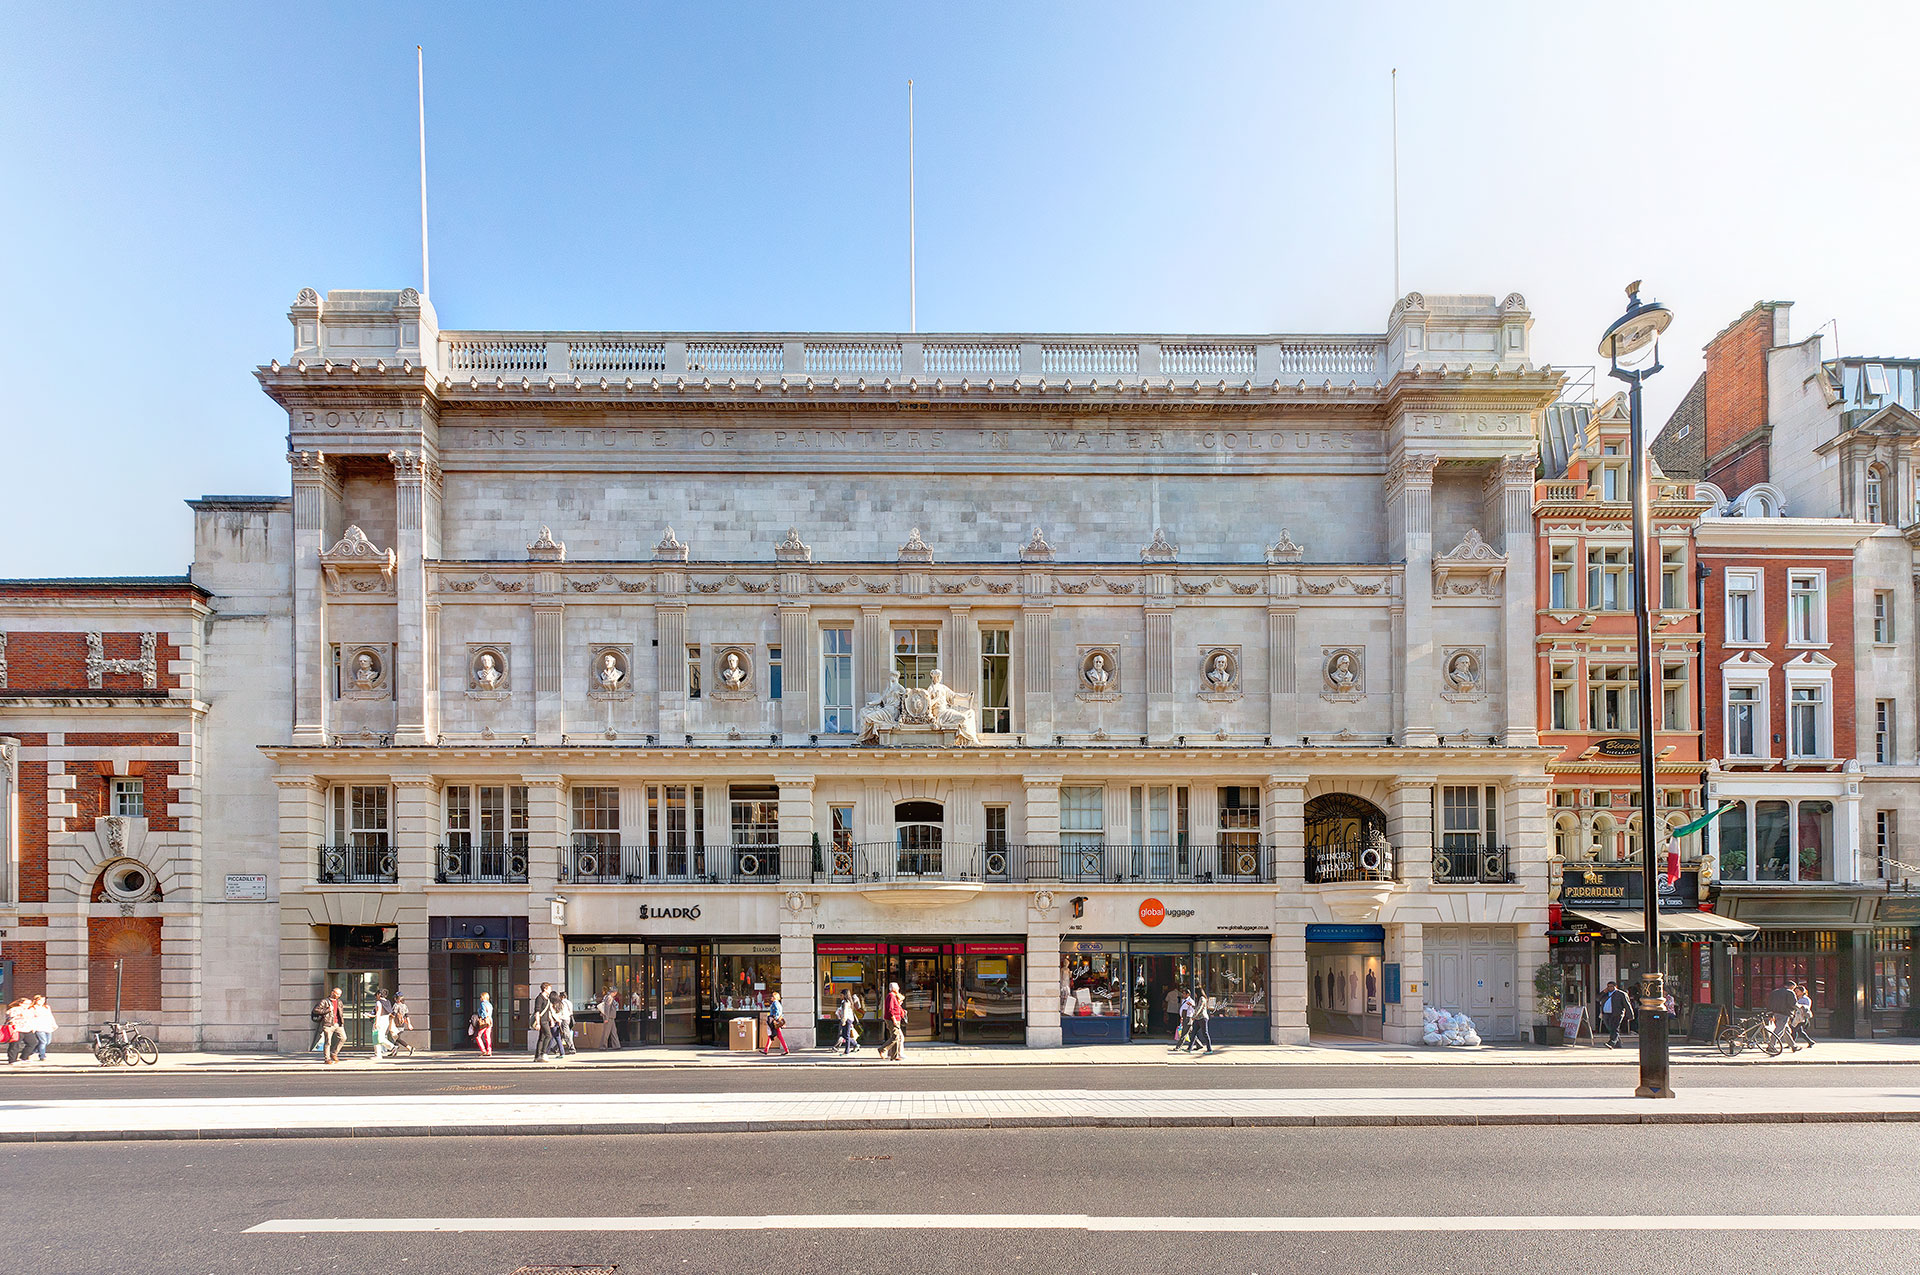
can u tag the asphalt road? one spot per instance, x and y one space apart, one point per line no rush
868 1074
169 1207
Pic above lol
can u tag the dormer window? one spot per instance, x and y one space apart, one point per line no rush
1877 380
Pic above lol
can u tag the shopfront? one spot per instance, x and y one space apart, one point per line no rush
1891 965
1347 980
669 991
1828 935
969 991
468 956
1121 989
1598 935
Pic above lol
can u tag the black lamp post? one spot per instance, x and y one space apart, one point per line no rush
1635 332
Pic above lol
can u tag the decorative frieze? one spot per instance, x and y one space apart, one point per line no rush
98 665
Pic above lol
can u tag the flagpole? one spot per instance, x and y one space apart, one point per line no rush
913 297
1393 82
420 70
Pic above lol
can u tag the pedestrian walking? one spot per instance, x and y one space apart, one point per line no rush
843 1011
895 1012
776 1027
382 1022
480 1026
1184 1031
1802 1016
400 1021
1615 1006
1782 1001
609 1009
1200 1033
40 1018
333 1026
540 1021
13 1030
566 1025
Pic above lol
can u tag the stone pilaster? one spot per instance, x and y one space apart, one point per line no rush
1410 539
416 836
549 658
1286 834
1161 720
1404 1024
873 661
797 661
67 991
799 997
1282 663
303 944
1528 835
1036 661
316 518
548 823
180 965
413 657
670 670
1042 818
1043 970
1509 513
960 652
1410 821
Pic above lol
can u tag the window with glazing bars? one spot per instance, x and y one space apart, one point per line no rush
360 817
996 681
916 653
1613 690
836 681
676 830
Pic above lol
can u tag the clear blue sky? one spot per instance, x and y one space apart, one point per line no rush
170 176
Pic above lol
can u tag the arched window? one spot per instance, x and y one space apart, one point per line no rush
1566 838
1346 839
1876 498
919 835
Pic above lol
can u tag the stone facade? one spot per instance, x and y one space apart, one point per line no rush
585 628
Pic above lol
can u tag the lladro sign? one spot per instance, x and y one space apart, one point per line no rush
648 912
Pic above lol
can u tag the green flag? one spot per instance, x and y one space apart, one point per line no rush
1703 820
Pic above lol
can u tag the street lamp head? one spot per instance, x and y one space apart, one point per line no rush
1638 328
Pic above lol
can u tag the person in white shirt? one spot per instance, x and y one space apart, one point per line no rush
40 1020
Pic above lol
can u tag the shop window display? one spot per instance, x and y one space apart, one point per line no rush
746 975
1234 978
992 992
1093 983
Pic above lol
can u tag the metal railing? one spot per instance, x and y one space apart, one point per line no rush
481 863
1473 865
1162 863
721 863
887 862
1360 859
358 865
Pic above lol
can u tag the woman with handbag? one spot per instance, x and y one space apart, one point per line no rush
776 1024
13 1030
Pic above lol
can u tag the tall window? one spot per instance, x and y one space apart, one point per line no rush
1613 694
996 681
487 830
916 653
1560 588
1673 578
1239 817
836 681
1743 606
996 819
1875 504
754 814
840 819
596 819
1563 699
1883 732
1886 843
773 672
693 671
1610 483
1743 720
360 817
1806 724
1082 816
1607 585
129 799
1466 813
677 830
1805 615
1673 696
1883 616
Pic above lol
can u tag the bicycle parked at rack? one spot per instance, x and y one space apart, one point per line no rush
124 1044
1750 1033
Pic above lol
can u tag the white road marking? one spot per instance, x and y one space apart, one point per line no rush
1085 1222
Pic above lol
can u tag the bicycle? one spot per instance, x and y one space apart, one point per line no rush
124 1044
1749 1033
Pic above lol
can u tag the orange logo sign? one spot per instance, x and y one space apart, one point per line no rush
1152 912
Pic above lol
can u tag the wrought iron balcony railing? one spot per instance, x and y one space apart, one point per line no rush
1360 859
368 864
481 863
1478 864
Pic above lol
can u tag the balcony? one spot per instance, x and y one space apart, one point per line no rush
1473 865
488 863
371 864
887 863
1361 859
745 863
1087 863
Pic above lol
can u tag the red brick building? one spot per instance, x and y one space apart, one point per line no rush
99 776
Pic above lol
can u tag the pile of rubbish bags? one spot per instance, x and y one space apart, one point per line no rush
1453 1030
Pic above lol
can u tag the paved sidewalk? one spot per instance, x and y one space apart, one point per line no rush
1322 1054
491 1114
